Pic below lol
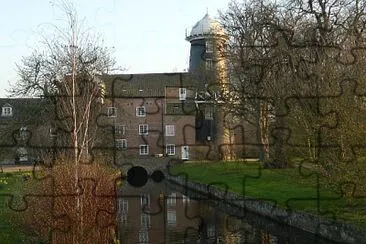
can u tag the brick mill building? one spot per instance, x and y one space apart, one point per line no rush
163 114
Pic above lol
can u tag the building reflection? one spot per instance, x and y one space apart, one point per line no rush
155 214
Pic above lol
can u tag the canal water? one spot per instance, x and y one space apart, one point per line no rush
166 213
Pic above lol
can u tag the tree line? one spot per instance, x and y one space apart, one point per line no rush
296 73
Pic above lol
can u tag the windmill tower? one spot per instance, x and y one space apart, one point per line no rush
208 65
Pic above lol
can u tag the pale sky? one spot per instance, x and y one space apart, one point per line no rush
148 35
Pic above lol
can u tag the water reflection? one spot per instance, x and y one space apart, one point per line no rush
160 213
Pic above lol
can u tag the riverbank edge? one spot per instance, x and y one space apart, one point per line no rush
321 226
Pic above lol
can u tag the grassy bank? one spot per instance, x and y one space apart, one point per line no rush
10 226
288 188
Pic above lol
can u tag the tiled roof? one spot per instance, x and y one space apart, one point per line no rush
26 110
144 85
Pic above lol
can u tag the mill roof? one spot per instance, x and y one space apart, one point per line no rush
206 26
26 110
145 85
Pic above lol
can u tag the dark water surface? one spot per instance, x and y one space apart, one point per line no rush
160 213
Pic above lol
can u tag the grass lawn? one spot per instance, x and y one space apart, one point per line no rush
10 230
288 188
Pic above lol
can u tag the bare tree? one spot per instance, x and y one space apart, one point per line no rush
258 70
293 66
67 72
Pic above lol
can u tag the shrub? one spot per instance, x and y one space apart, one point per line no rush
65 210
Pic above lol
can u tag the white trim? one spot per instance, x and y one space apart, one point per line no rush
141 111
182 94
7 111
144 146
169 130
145 200
123 206
186 199
171 217
172 200
143 129
121 143
170 149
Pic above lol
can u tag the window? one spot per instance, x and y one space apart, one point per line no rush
170 130
145 220
144 236
145 200
7 111
209 64
143 129
182 94
170 149
185 199
144 149
123 205
121 144
209 113
140 111
123 218
112 112
171 200
171 217
209 46
120 130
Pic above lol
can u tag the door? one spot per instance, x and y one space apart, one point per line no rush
185 152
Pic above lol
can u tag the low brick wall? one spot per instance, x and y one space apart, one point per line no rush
314 224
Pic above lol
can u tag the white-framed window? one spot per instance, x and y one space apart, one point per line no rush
123 218
141 111
7 111
182 94
185 199
145 220
119 130
170 149
209 46
171 200
143 129
112 112
144 236
121 143
145 200
171 217
209 64
123 205
144 149
170 130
